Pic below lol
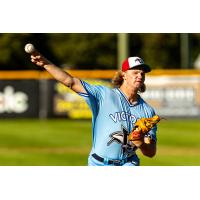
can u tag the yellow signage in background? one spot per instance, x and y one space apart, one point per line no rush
68 103
169 95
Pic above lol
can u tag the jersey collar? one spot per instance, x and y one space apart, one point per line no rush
124 96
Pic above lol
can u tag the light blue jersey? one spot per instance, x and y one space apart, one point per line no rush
113 118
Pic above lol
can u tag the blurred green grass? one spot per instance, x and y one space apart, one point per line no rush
178 144
44 142
62 142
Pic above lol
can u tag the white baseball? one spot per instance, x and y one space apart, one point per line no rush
29 48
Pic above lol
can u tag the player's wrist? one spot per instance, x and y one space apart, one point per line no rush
48 66
138 143
148 139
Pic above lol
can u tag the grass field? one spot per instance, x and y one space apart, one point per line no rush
62 142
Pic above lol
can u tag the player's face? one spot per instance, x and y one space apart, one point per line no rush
135 77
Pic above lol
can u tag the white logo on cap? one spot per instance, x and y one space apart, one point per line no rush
139 60
134 61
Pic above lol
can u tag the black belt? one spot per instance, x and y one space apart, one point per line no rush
111 162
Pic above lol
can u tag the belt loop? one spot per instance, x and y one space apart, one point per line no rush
105 161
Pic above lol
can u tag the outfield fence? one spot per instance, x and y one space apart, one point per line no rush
35 94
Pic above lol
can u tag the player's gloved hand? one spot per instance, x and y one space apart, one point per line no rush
139 134
136 137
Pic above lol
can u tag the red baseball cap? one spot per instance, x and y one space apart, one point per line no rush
135 63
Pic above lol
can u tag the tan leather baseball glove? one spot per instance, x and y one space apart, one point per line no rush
138 135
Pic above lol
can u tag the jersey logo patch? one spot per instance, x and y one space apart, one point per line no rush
121 137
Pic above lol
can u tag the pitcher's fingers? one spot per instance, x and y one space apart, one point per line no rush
40 63
33 60
36 57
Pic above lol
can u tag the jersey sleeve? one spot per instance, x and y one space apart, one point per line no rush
94 95
93 91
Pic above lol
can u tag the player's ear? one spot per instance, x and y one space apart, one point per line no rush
124 75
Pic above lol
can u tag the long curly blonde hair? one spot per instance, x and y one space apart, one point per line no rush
118 80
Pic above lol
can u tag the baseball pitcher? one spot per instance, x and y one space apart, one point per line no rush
122 122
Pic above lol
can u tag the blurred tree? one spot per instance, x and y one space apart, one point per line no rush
157 49
93 50
194 45
86 50
12 54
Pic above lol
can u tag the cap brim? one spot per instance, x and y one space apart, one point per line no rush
144 67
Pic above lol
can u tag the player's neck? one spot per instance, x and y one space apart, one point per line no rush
131 94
